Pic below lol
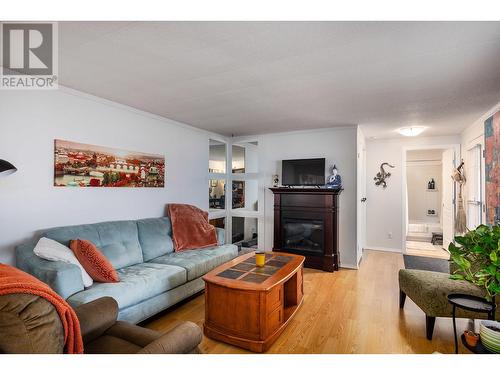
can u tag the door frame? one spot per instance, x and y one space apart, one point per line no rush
361 192
404 218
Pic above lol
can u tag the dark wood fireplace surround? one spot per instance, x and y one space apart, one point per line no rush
318 204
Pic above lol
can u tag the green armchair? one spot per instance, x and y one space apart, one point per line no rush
429 290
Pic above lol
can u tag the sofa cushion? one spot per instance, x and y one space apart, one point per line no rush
199 262
155 237
118 240
137 283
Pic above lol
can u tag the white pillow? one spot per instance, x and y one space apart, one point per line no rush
55 251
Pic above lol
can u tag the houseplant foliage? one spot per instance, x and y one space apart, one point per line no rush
477 255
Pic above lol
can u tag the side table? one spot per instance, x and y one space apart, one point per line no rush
469 303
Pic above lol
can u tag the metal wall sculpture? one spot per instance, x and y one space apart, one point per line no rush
382 176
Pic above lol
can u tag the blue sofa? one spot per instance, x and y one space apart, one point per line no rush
152 276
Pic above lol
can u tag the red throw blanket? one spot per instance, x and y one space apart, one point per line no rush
13 280
190 227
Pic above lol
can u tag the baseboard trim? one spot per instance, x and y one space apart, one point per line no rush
349 266
387 249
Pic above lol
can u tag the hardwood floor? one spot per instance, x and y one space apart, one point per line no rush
349 311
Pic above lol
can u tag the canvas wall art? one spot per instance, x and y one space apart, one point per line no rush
83 165
492 166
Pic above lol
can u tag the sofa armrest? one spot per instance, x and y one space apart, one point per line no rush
96 317
64 278
221 236
183 339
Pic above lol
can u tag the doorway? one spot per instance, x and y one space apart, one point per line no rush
429 201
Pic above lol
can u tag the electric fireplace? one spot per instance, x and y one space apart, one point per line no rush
306 222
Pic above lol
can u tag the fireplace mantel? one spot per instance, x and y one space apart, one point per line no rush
309 206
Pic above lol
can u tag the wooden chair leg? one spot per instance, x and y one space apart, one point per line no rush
429 326
402 299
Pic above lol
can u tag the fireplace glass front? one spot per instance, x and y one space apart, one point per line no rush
303 235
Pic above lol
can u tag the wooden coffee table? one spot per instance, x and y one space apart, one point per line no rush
249 306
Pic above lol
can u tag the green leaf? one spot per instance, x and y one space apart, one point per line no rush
457 277
491 269
493 256
478 249
494 288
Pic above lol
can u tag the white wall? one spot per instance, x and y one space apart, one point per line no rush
31 120
384 206
420 200
337 146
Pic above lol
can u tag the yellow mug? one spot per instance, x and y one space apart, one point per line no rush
260 259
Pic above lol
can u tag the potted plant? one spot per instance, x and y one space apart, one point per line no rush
477 255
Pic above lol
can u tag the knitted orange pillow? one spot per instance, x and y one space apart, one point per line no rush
93 261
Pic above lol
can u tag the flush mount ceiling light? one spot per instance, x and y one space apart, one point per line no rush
411 131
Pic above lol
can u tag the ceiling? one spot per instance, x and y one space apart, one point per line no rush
244 78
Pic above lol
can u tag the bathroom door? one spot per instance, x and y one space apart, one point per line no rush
448 211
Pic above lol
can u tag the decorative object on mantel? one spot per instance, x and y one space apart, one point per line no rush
492 165
380 178
6 168
83 165
276 180
334 180
461 220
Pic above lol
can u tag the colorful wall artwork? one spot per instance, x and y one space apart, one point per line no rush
83 165
492 164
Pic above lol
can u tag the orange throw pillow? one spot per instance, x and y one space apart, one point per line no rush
93 261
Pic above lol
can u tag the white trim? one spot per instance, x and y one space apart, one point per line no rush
423 163
241 212
386 249
301 131
217 176
348 266
245 176
216 214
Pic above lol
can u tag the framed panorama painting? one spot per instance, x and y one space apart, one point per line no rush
492 166
83 165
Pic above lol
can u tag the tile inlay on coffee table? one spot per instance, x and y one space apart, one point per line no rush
248 271
231 274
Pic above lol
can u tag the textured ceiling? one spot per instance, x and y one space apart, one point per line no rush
246 78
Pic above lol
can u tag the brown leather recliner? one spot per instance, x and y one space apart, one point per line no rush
29 324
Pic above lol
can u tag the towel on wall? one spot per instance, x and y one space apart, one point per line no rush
190 227
13 280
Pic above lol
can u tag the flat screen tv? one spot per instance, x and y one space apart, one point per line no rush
303 172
